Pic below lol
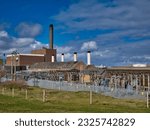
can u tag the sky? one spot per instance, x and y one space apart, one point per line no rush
116 31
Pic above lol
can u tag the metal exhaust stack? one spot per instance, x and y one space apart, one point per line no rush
88 57
62 57
53 58
75 56
51 36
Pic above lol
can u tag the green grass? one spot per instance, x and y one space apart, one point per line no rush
61 101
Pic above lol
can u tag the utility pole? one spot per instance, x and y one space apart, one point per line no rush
16 64
15 67
12 66
14 61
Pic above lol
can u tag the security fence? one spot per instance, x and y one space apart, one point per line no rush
116 92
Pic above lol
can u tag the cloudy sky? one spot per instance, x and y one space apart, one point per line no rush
116 31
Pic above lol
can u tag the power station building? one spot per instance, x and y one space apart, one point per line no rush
41 55
43 62
137 75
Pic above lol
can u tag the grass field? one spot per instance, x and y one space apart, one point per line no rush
61 101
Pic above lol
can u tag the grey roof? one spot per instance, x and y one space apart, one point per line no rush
130 68
56 65
92 69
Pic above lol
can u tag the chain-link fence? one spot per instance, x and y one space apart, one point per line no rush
128 92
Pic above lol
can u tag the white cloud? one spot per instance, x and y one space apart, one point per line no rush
91 45
91 15
119 28
23 45
21 42
38 45
64 49
104 53
67 53
28 30
3 34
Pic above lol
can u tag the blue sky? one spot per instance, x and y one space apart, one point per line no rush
116 31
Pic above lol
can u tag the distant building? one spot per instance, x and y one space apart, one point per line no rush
67 71
23 60
135 75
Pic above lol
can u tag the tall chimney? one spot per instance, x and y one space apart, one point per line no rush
75 56
88 57
62 57
51 36
53 58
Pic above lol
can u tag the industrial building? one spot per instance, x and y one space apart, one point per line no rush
43 63
137 75
73 71
66 71
23 61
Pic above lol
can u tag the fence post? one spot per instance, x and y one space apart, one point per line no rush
59 85
90 95
26 94
13 92
3 91
44 93
147 101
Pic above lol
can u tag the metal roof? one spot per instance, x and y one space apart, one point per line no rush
55 65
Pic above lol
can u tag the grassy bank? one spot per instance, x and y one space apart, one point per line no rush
61 101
